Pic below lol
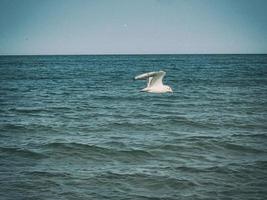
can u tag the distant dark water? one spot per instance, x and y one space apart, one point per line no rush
77 127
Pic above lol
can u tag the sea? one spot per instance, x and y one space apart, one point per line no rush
78 127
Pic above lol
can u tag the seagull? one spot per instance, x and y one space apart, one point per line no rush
154 83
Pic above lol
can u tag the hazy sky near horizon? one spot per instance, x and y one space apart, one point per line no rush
132 26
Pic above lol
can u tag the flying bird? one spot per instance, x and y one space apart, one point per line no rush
154 83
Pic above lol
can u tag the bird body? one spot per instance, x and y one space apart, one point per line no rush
154 83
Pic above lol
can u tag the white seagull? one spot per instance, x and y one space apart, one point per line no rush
154 83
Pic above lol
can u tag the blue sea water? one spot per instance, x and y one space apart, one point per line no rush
77 127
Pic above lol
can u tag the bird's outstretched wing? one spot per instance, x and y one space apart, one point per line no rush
154 78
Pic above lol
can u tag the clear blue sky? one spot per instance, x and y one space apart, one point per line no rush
132 26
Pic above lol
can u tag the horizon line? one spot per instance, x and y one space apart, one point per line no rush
129 54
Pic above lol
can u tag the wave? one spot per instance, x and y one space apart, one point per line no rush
218 144
36 110
46 174
136 126
93 150
171 147
207 145
151 181
253 135
224 169
245 126
13 151
155 121
28 110
119 98
188 122
241 148
26 128
116 144
3 136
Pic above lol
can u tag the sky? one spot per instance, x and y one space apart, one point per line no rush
30 27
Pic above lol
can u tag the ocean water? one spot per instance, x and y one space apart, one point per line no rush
77 127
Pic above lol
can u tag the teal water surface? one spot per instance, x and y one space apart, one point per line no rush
77 127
